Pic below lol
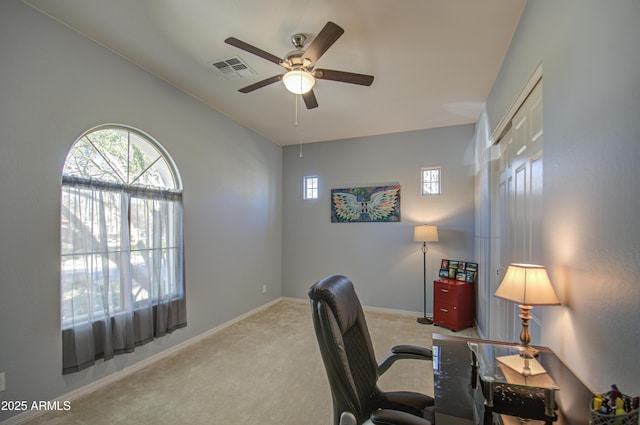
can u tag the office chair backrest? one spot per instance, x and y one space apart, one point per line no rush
345 345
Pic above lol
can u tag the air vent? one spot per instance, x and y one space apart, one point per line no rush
232 68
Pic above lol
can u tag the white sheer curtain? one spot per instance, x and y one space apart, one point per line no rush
122 269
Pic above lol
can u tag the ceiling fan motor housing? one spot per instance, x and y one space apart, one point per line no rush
295 59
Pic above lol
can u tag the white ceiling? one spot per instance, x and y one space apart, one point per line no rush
434 61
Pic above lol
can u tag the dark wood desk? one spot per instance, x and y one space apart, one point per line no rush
457 403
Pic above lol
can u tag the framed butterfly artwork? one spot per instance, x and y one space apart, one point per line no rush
365 204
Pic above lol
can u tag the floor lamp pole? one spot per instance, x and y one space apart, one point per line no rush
424 319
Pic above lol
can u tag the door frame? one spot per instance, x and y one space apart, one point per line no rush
501 321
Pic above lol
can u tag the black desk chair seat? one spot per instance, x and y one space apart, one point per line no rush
350 362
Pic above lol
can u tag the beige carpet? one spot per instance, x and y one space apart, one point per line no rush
265 370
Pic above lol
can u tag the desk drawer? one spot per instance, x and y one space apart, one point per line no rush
445 315
445 293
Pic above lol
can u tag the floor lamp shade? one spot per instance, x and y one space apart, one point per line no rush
425 233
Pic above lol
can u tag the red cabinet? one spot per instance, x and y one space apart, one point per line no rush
454 304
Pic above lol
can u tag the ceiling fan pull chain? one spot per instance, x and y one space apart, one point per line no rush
299 131
296 122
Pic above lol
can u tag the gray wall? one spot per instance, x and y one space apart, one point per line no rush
54 85
591 73
381 258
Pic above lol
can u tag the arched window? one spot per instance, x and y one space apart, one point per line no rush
122 258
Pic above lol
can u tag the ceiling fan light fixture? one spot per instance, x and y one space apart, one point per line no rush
298 81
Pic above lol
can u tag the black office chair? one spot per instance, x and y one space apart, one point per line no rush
351 364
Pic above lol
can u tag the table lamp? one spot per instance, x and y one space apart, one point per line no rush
424 234
528 285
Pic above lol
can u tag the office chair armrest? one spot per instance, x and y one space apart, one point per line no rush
396 417
404 352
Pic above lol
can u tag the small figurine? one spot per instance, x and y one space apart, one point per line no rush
615 393
597 402
619 410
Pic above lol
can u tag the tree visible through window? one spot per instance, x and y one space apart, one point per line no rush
122 262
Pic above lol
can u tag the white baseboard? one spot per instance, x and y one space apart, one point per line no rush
372 309
101 383
394 311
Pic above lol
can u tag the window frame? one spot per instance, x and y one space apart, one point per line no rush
311 192
424 182
135 192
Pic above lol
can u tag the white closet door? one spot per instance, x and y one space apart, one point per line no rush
516 216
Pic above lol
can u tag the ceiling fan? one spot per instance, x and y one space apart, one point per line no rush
300 64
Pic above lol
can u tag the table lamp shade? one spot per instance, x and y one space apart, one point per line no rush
527 284
425 233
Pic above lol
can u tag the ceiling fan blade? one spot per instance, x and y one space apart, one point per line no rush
321 43
343 77
254 50
310 99
261 84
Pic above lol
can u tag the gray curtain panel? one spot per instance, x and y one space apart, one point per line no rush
122 275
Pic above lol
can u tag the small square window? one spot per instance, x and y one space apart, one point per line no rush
310 187
431 179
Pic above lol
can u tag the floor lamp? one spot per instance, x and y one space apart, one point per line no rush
425 234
